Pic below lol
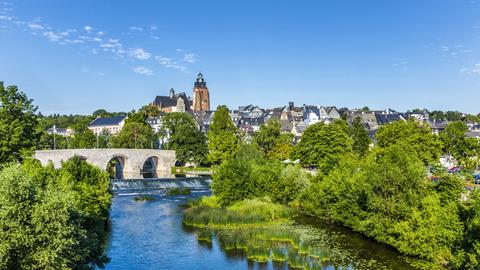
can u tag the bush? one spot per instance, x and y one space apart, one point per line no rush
53 219
250 175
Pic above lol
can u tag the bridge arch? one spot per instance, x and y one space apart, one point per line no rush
115 166
149 168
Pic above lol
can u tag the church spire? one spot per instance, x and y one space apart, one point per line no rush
200 82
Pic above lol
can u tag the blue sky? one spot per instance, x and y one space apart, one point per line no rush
78 56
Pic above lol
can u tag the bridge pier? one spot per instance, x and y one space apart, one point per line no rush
133 160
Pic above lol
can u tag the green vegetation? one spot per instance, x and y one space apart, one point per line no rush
465 150
53 219
359 135
417 135
136 133
223 142
144 198
186 170
322 145
178 191
208 212
189 143
18 125
250 175
382 192
275 145
49 218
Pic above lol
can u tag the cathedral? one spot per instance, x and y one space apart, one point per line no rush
181 103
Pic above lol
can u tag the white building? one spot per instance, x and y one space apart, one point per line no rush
112 125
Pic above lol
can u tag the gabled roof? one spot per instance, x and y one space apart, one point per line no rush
165 101
109 121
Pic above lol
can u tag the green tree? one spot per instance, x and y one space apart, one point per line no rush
283 148
458 145
53 219
415 134
359 134
250 175
323 145
437 115
274 144
84 139
92 197
223 142
453 116
18 125
134 135
388 197
151 110
38 228
189 143
266 138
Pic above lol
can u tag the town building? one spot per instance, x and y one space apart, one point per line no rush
173 102
112 125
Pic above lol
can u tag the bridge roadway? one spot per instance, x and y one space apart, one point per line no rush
131 162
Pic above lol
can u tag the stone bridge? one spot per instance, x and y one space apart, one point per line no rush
127 163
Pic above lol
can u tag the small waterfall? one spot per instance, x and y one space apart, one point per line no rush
135 185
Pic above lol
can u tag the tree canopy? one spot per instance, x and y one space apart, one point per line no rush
323 145
18 125
189 143
275 145
418 135
223 142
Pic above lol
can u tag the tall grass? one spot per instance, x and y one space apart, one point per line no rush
258 228
207 212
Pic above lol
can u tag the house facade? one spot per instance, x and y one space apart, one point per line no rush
112 125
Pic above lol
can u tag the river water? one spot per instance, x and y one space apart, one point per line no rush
150 235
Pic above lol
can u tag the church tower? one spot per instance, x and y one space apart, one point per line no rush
201 97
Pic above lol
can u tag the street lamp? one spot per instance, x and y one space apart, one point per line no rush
54 137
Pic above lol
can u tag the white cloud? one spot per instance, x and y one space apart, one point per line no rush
35 26
169 63
143 70
136 28
88 28
475 70
190 58
6 18
139 54
403 65
454 51
52 36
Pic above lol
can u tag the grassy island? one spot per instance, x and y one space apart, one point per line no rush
261 229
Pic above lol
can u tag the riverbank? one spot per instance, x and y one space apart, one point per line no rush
265 232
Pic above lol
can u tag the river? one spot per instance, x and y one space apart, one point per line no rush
150 235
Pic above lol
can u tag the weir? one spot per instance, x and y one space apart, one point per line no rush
134 185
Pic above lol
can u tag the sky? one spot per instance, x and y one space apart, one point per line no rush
73 57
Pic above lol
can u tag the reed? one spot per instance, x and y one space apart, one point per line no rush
258 228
